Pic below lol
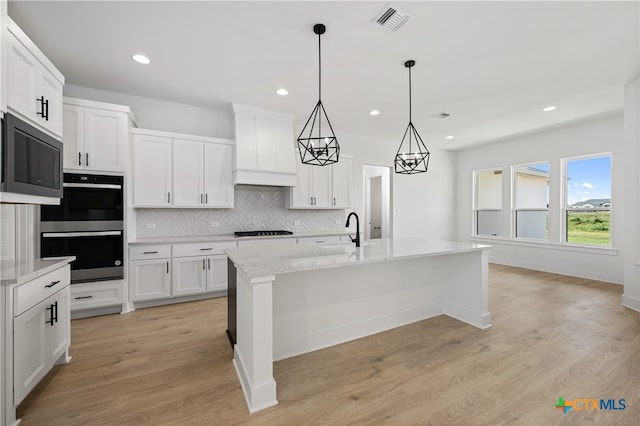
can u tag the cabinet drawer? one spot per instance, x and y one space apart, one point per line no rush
149 252
96 295
30 294
202 249
319 240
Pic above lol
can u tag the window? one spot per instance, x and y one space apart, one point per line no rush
488 211
587 206
531 201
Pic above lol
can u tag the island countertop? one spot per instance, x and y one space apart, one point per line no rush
12 272
267 260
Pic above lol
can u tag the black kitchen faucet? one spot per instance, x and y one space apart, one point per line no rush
357 238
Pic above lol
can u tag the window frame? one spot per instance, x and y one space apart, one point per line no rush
474 219
565 196
514 196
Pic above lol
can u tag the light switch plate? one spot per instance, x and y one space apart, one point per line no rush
215 224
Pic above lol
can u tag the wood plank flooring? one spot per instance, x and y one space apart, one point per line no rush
552 336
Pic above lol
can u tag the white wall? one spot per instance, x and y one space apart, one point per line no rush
163 115
423 204
598 135
631 296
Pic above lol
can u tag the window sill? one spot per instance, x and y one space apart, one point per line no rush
608 251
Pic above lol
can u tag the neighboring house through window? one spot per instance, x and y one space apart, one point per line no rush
531 200
488 203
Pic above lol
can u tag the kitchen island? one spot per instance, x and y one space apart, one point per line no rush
293 300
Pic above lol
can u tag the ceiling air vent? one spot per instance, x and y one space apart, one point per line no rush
441 115
392 18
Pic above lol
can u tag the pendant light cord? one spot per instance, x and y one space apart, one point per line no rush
409 94
319 69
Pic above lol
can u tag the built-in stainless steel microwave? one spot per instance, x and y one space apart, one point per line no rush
31 160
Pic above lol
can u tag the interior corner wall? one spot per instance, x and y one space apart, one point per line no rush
422 204
597 135
157 114
631 295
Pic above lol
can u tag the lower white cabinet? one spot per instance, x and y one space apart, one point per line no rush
166 271
41 329
97 294
149 279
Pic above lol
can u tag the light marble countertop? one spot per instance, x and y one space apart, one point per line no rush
12 272
228 237
271 260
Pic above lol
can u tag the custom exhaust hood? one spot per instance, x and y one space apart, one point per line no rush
265 148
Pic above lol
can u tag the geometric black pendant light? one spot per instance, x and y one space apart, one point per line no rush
317 142
413 155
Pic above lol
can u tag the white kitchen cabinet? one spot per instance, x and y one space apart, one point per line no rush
41 329
97 294
149 279
188 173
95 135
152 171
217 267
264 147
322 187
189 275
191 171
34 85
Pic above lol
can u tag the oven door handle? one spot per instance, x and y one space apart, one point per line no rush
91 185
80 234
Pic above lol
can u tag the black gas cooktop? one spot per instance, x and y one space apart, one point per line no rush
261 233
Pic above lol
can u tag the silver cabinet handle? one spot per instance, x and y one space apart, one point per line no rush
209 264
91 186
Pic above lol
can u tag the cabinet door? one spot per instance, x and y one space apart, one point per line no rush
218 176
151 171
73 136
105 139
30 360
301 193
217 273
189 275
321 184
341 183
57 336
51 89
149 279
22 84
188 172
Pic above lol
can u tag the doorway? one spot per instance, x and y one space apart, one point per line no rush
377 201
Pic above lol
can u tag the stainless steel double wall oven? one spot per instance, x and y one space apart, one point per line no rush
87 224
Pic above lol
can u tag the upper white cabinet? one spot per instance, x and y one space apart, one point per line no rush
34 85
264 147
322 187
95 135
175 170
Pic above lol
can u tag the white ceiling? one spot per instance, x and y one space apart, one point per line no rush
492 65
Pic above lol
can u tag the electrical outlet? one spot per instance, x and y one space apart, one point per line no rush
151 226
296 222
215 224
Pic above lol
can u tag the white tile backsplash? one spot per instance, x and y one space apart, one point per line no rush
256 207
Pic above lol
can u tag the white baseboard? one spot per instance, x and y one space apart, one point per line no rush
631 303
556 269
257 397
482 321
298 345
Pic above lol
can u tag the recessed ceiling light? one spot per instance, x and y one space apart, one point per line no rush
449 137
282 92
549 108
374 112
141 59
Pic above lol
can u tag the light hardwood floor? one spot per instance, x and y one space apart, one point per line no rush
552 336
